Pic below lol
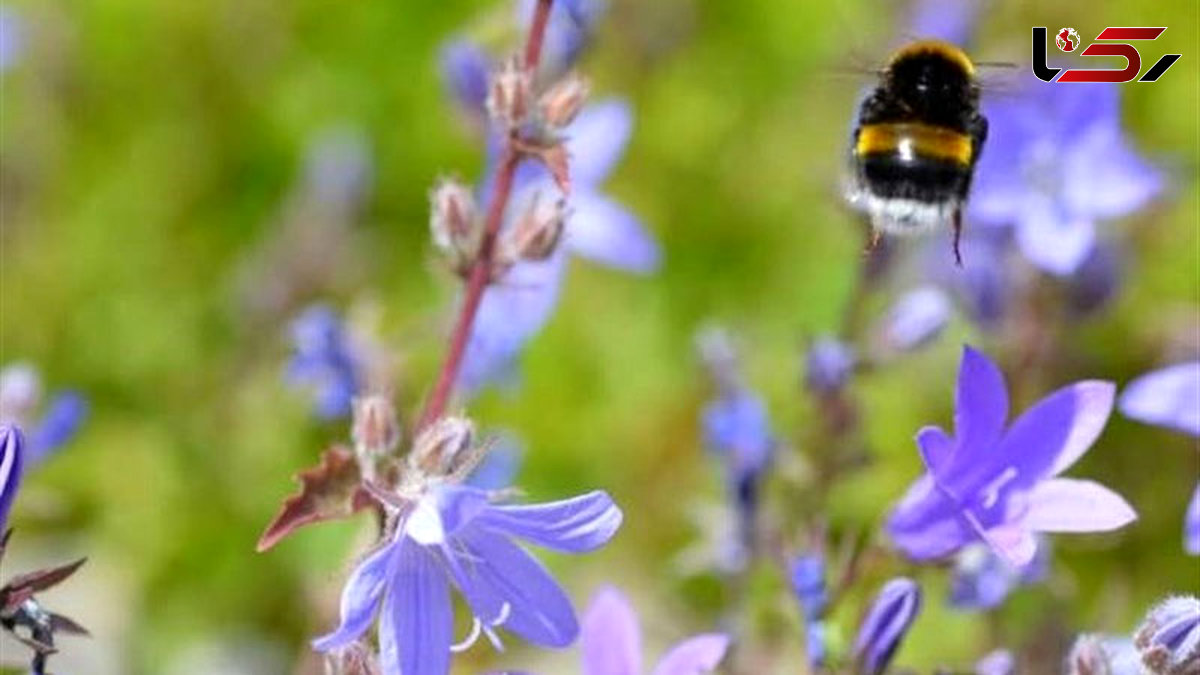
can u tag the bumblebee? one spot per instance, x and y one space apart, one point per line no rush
918 137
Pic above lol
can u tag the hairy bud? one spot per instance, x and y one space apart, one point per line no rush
538 232
443 447
376 431
1088 657
1169 638
559 104
509 93
452 222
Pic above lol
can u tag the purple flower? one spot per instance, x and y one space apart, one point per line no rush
998 662
982 579
12 464
1169 638
324 361
599 229
1169 397
887 622
1056 161
808 585
828 365
456 535
20 399
737 428
612 642
1001 485
916 318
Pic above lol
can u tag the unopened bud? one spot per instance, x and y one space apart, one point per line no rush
443 447
560 103
376 431
538 232
509 93
1169 638
452 222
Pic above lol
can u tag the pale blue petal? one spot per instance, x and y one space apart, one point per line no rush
497 572
417 622
936 449
1104 177
1071 505
611 640
1168 397
604 232
596 141
1049 437
695 655
1052 238
576 525
925 525
360 597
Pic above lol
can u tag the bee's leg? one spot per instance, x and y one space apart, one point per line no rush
957 236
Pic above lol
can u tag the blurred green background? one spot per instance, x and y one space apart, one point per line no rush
152 159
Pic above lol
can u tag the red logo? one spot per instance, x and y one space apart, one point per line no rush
1068 40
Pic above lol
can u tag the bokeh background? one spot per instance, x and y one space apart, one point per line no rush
157 167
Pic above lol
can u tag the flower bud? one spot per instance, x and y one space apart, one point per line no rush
375 430
20 391
444 447
12 460
916 319
509 94
1169 638
998 662
538 232
560 103
828 364
453 223
891 615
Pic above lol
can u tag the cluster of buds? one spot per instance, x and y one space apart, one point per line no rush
513 101
454 224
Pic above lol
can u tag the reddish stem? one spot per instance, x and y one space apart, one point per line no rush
481 270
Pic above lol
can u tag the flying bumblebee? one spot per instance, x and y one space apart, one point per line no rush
918 137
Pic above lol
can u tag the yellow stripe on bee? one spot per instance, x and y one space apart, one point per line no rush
944 49
913 139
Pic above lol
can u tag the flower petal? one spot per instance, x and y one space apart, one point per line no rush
1104 177
596 140
576 525
360 597
603 231
497 572
1014 542
1051 238
1049 437
611 640
1070 505
695 655
417 623
12 462
925 525
981 404
936 448
1168 397
512 311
